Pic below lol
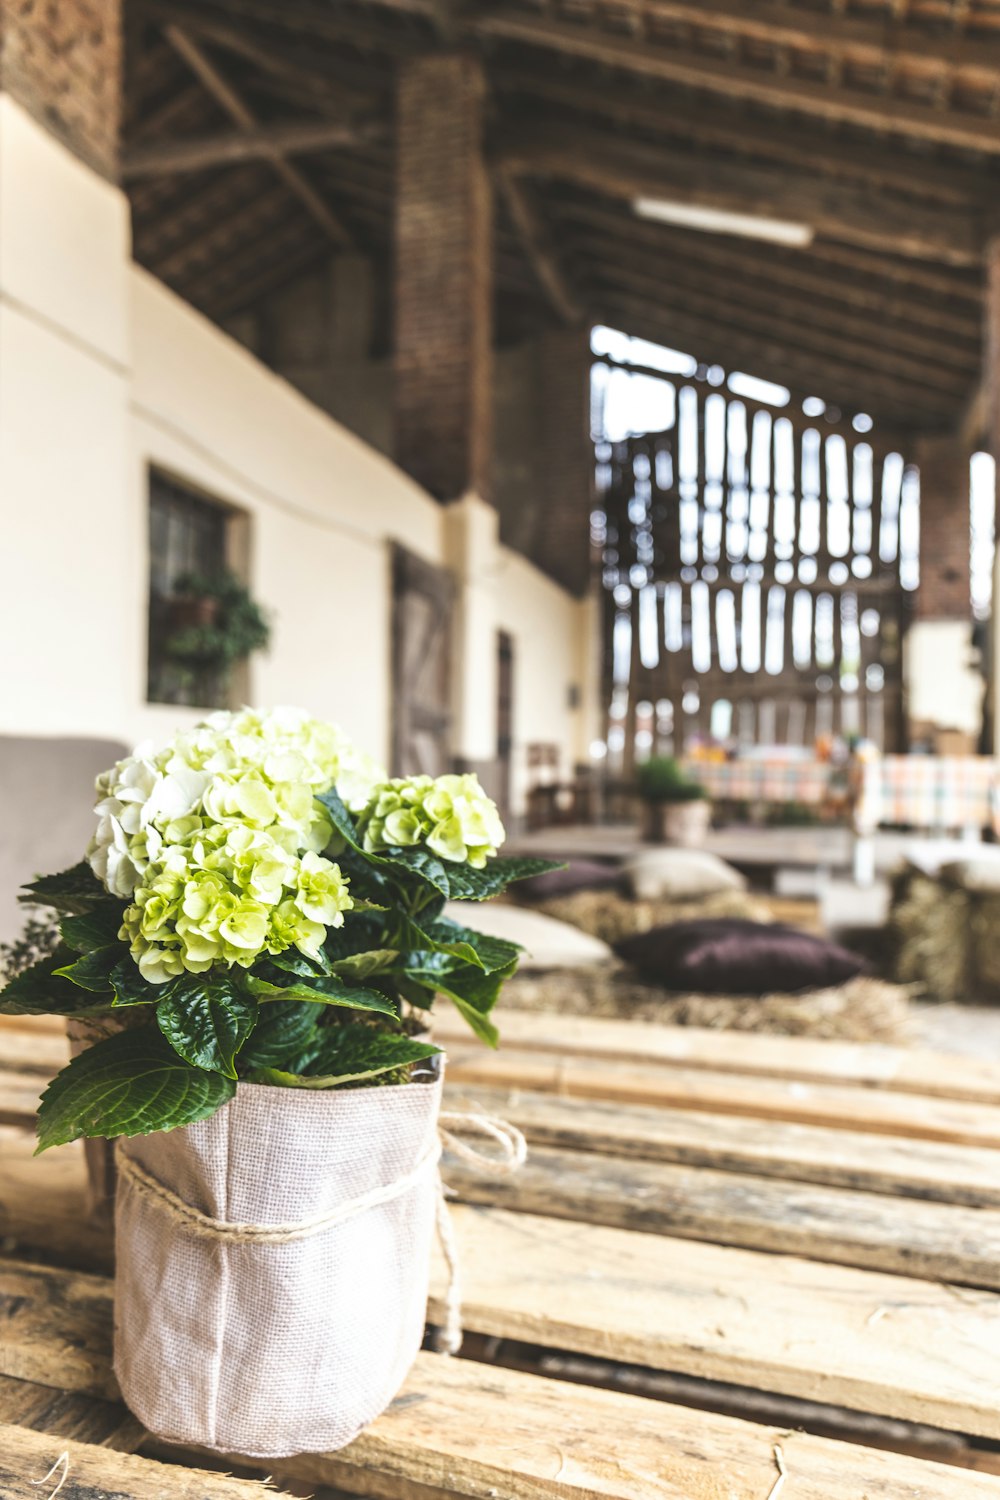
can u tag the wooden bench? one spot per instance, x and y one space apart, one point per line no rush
734 1267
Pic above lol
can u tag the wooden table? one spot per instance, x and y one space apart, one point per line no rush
735 1267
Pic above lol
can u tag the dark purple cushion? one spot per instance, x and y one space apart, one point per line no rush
731 956
578 875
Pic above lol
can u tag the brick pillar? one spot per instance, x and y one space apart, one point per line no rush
944 530
565 465
443 279
62 61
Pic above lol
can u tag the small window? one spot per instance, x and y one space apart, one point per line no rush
189 535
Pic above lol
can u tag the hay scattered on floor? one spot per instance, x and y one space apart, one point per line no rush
611 916
864 1010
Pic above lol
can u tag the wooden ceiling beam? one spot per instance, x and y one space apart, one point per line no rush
197 153
960 349
747 317
877 110
203 67
888 42
623 232
714 341
535 241
904 171
848 212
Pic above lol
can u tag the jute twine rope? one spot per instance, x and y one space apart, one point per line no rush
512 1153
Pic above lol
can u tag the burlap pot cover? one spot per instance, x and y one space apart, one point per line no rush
270 1349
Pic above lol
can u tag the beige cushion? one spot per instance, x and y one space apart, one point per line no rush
981 872
680 874
548 944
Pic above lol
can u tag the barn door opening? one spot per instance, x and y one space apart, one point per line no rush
505 720
421 666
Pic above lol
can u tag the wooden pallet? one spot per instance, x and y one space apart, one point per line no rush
728 1260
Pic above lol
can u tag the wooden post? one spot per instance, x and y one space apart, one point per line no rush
991 386
444 281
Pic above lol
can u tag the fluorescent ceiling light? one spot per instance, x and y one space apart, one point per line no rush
721 221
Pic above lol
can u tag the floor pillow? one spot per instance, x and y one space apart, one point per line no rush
731 956
679 874
548 944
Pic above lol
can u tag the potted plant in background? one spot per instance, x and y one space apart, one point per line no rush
213 623
675 809
262 908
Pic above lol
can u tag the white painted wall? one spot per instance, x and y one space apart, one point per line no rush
943 687
104 372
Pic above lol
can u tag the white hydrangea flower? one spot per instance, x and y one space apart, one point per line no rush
217 839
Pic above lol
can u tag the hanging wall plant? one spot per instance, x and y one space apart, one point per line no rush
214 623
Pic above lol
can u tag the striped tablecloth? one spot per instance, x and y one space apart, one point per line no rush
807 782
928 791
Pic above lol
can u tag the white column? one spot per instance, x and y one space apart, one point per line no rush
471 543
73 554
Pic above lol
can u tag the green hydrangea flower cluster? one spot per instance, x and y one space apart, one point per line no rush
216 840
451 815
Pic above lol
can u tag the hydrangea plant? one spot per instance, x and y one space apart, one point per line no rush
260 902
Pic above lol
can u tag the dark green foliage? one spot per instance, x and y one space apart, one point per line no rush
662 779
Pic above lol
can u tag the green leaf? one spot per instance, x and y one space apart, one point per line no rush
129 986
346 1054
93 929
360 965
294 962
283 1032
73 891
324 989
206 1019
40 990
428 869
467 884
129 1084
479 948
93 970
473 992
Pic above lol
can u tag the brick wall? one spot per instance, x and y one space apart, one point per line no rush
443 279
62 59
944 530
565 469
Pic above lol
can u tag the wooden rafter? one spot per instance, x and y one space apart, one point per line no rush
778 88
535 241
197 153
846 211
716 341
240 112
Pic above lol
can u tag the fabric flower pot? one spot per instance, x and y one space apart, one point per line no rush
273 1265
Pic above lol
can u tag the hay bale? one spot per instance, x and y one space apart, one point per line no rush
984 939
610 916
863 1010
929 925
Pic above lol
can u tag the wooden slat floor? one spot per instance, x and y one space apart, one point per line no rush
841 1257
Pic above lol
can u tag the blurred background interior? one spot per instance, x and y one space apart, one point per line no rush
595 394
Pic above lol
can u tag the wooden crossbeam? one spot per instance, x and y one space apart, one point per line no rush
240 112
745 133
753 303
843 210
875 110
195 154
537 246
803 271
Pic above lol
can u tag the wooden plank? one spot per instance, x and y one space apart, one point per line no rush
538 248
876 110
803 1059
19 1095
939 1241
938 1172
27 1459
877 1111
44 1206
892 1345
31 1051
441 1437
87 1419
